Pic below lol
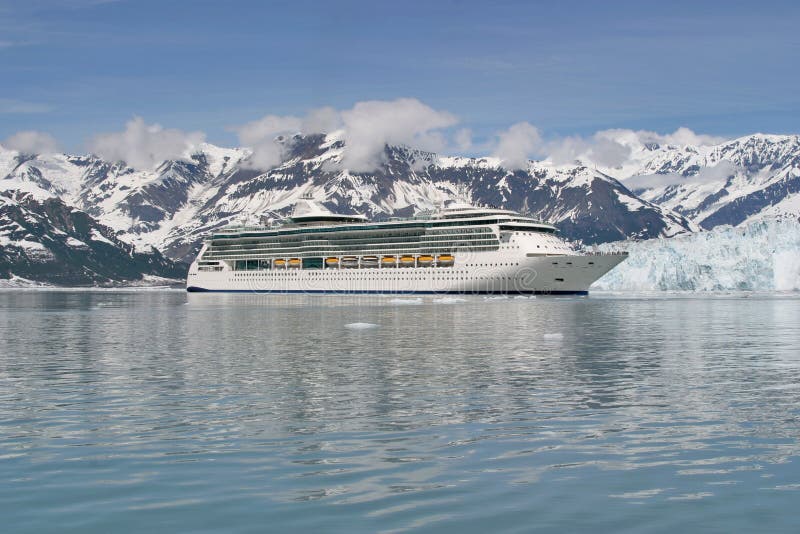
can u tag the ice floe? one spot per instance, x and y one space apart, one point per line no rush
361 326
406 302
448 300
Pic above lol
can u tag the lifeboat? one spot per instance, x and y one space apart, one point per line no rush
369 261
332 262
279 264
388 261
295 263
349 262
445 260
425 261
406 261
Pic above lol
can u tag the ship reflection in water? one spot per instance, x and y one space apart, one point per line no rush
173 411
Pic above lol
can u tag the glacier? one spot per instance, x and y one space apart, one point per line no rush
763 255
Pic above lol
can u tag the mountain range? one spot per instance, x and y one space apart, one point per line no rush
81 220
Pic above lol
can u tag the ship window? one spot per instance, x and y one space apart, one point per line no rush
559 279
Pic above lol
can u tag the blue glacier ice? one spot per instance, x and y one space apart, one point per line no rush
762 255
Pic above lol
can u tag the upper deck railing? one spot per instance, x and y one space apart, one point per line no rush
425 217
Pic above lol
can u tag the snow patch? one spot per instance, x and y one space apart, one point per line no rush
97 236
30 246
76 243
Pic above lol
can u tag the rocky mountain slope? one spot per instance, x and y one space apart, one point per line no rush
662 191
731 183
171 207
47 240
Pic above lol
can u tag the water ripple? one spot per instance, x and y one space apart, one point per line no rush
165 411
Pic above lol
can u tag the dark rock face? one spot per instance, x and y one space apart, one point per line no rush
587 205
173 206
49 241
766 168
740 209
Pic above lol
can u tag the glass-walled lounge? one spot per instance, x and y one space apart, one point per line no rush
346 262
354 243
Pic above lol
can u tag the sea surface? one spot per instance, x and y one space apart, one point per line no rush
161 411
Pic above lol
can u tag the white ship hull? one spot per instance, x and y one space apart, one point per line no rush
457 250
479 273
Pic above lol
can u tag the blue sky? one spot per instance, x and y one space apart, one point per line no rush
75 69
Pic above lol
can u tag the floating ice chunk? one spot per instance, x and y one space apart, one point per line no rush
642 494
691 496
553 336
360 326
497 297
405 302
449 300
524 297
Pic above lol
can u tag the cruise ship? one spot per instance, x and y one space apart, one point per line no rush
454 249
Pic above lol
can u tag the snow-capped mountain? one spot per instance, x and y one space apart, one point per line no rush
44 239
733 182
171 207
665 190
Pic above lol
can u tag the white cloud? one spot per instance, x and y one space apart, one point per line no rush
371 125
638 138
368 127
321 120
685 136
598 149
567 149
144 146
615 147
261 137
267 127
264 136
517 145
32 142
718 173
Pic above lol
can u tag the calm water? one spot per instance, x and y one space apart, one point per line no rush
162 411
